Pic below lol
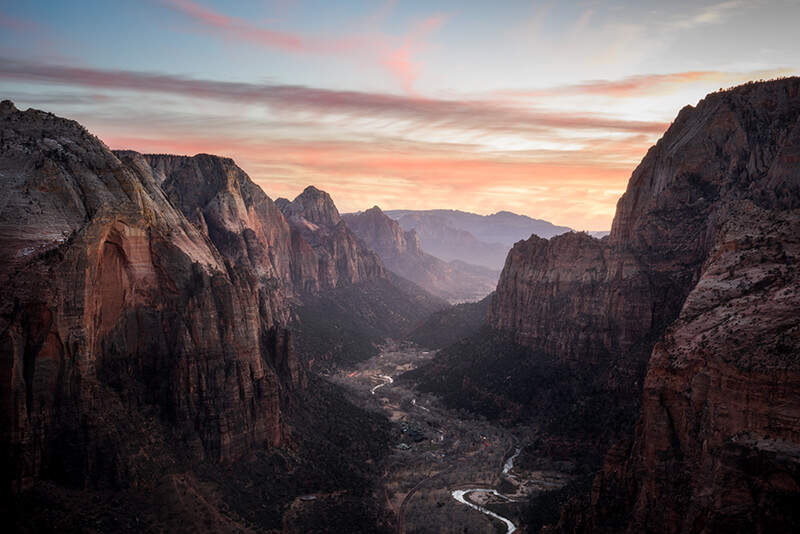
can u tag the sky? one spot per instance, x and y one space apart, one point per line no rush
540 108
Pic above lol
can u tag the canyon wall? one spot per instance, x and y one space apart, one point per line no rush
717 446
619 290
699 276
119 316
341 257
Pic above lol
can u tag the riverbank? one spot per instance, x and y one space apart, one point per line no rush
438 451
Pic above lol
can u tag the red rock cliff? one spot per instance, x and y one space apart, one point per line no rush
116 311
575 296
341 256
717 446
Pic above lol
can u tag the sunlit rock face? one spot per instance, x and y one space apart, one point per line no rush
123 324
340 256
702 266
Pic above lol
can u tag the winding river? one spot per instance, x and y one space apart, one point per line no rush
461 495
386 380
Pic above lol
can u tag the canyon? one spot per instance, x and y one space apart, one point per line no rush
164 326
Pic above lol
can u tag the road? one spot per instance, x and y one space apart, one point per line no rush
386 380
401 512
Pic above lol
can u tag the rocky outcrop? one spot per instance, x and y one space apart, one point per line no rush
578 298
118 314
717 447
383 234
711 215
401 253
244 224
341 258
634 282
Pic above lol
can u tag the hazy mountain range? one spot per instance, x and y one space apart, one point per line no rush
477 239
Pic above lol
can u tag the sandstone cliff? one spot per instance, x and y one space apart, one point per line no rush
401 253
619 289
119 315
717 447
341 258
362 302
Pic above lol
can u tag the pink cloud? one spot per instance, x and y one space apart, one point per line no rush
459 114
400 60
648 84
18 25
241 30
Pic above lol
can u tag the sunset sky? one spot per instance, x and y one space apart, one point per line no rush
541 108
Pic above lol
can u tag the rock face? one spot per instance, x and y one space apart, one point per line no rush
401 253
118 314
717 447
636 280
341 258
579 298
700 275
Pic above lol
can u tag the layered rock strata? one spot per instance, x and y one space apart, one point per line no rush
717 446
114 306
341 257
700 265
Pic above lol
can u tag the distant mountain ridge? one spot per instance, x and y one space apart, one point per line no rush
477 239
400 251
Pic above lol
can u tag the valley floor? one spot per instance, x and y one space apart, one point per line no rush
438 453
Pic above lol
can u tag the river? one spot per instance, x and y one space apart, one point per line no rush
460 495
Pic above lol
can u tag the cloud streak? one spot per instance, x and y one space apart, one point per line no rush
451 113
240 30
401 60
648 84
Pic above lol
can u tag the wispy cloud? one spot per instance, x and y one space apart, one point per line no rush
241 30
649 84
16 24
712 14
284 98
401 60
399 56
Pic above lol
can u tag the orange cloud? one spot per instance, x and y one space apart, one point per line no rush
464 114
649 84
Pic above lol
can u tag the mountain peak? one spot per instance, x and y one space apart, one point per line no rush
7 107
315 206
